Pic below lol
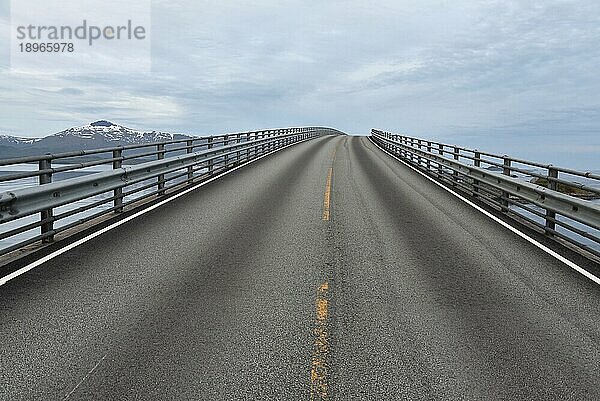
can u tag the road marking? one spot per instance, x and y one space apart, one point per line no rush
327 195
319 369
85 377
93 235
521 234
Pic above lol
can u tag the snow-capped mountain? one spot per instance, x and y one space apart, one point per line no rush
99 134
15 140
105 131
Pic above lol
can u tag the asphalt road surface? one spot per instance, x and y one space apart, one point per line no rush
325 271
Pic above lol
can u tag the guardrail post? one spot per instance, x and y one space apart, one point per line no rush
238 154
160 149
455 173
401 150
190 169
209 145
428 151
441 152
404 153
46 178
247 149
506 171
118 192
550 215
225 143
268 146
477 162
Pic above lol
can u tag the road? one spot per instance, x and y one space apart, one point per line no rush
325 271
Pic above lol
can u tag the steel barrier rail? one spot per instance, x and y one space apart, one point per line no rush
501 190
181 170
160 148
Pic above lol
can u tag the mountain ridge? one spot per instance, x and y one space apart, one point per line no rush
98 134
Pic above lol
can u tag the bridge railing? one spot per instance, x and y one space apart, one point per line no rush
130 176
556 200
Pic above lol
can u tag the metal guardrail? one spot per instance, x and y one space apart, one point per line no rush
178 164
538 193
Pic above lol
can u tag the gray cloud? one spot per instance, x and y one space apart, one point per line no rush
71 91
488 73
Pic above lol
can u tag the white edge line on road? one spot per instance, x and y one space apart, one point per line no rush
93 235
521 234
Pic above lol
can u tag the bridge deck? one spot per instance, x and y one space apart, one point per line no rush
241 290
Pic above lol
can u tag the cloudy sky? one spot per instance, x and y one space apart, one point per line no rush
517 77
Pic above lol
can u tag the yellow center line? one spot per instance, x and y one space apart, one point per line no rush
327 195
319 368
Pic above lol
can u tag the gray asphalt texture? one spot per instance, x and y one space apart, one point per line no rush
212 296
